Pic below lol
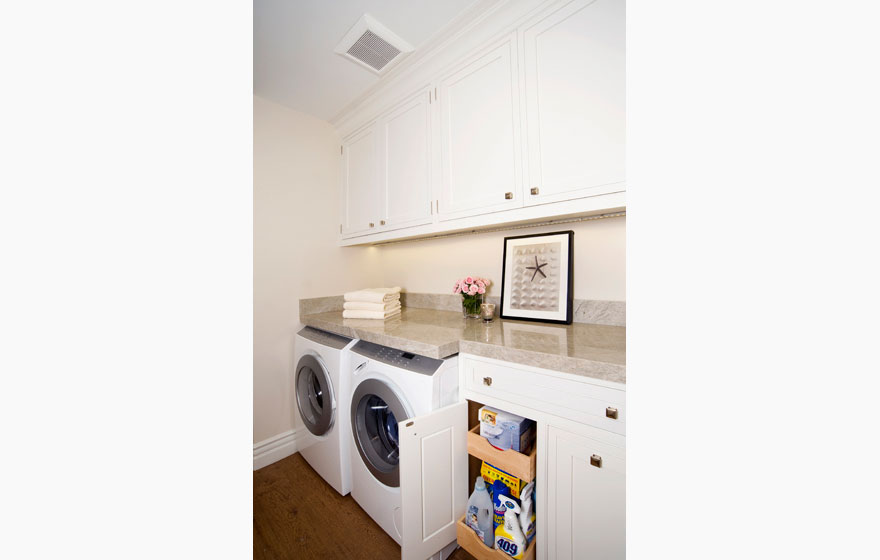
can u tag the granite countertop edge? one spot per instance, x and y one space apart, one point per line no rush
585 367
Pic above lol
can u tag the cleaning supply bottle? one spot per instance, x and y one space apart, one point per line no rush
508 536
479 512
527 516
499 490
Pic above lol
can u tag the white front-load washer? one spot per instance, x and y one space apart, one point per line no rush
389 386
322 391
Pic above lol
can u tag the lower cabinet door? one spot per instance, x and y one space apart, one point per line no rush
586 496
433 479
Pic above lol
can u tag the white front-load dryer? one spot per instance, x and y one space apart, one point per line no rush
322 392
389 386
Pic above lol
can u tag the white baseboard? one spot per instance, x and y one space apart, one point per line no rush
274 449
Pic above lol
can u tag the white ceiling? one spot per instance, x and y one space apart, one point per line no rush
294 62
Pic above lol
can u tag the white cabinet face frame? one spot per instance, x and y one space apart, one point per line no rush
574 64
360 182
480 144
569 423
406 173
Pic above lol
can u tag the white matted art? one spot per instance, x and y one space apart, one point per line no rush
537 277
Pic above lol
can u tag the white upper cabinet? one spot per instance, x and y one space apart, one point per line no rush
575 101
387 181
360 181
480 134
406 163
521 119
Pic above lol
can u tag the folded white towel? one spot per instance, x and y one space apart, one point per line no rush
374 295
388 306
364 314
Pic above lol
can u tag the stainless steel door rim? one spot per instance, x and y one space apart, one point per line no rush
314 395
375 411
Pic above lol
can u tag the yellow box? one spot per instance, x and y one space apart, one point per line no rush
491 474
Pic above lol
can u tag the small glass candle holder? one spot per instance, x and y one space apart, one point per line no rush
487 312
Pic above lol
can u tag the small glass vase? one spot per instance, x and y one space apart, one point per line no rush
470 306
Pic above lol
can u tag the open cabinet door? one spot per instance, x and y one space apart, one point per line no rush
433 479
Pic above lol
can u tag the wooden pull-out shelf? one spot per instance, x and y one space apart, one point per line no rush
515 463
469 541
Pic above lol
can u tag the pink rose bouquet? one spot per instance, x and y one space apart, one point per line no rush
472 290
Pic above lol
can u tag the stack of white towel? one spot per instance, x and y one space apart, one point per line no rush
372 303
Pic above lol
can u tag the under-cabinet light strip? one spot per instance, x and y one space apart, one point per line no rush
508 228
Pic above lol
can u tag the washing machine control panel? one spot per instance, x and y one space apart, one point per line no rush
397 358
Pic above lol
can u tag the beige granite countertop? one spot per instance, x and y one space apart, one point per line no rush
597 351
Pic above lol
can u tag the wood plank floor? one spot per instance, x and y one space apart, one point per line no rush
298 515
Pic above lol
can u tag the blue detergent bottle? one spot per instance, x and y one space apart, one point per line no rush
499 490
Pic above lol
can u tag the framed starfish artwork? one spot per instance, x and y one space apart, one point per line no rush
538 277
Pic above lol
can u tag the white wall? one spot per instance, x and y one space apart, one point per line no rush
296 209
433 265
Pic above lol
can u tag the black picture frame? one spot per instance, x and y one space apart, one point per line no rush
566 284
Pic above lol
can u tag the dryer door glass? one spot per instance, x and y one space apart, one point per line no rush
375 412
314 395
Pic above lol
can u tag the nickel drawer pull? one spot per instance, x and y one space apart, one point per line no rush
611 412
596 461
487 381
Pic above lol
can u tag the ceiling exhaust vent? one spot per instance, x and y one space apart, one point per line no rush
372 45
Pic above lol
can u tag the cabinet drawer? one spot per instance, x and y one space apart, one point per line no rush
510 461
568 397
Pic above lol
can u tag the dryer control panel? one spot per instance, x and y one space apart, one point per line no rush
397 358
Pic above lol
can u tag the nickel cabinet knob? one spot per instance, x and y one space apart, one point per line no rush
534 190
487 381
508 195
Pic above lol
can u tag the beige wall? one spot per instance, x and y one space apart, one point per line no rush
433 265
296 204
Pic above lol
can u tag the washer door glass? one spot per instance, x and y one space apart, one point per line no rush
375 412
314 395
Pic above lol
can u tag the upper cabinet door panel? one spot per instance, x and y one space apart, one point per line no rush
575 82
360 182
407 169
480 136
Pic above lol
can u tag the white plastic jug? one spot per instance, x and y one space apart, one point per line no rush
479 512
